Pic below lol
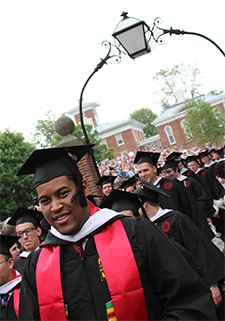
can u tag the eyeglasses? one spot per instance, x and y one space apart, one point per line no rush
4 261
28 231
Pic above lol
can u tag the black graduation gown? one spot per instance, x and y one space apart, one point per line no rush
197 199
212 186
160 266
19 264
9 312
178 227
173 188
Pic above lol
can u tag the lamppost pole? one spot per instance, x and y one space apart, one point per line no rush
106 44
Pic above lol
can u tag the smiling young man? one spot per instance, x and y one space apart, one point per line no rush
96 264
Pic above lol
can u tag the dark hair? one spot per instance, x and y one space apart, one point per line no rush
78 197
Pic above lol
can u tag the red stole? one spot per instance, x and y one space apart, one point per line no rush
121 272
16 296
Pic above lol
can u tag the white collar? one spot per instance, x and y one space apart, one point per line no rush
25 254
181 178
93 222
160 213
7 287
158 180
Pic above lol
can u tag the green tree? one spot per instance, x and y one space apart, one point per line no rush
46 137
179 77
204 124
145 116
14 190
45 131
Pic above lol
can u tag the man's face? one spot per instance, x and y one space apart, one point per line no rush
107 189
170 173
15 252
30 238
206 160
147 172
193 166
55 199
130 189
5 269
216 156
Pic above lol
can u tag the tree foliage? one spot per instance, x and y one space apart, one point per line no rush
179 78
14 190
145 116
46 137
45 131
204 124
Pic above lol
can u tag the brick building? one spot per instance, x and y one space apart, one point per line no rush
124 136
170 124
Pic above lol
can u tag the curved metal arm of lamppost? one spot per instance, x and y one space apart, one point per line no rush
108 56
177 32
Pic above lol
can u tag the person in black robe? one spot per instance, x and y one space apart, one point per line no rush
147 170
213 188
27 227
171 289
106 183
10 280
181 229
199 203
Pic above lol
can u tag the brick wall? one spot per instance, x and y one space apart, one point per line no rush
88 171
130 143
178 132
88 114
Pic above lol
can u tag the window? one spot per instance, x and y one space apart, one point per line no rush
103 142
187 133
169 132
152 145
119 140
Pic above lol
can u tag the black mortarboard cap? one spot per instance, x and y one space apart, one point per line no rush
128 183
149 191
203 154
190 158
120 201
106 180
50 163
146 157
170 163
219 151
212 151
174 155
6 242
24 215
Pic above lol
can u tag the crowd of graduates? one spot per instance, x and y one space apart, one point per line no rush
157 233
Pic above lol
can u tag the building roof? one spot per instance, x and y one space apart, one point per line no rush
116 125
85 106
174 110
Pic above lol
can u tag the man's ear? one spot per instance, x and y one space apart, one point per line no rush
10 263
85 188
39 231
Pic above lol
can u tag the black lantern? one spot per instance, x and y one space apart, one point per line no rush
131 34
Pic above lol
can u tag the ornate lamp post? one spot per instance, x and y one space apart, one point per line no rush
108 56
136 37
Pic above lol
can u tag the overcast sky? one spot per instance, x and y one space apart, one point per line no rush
50 47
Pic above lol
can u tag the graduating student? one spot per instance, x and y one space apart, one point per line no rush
213 188
147 170
106 183
129 184
96 264
27 227
199 203
181 229
10 280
